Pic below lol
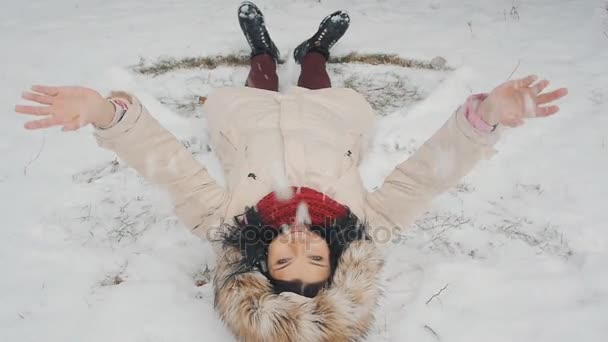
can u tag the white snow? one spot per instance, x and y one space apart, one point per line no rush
280 183
90 252
337 19
302 214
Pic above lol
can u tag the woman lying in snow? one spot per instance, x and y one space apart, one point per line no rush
297 231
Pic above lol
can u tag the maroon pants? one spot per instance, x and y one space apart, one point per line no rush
263 73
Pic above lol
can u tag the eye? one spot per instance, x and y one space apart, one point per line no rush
282 261
317 258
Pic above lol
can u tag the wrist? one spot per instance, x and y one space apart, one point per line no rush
485 112
105 114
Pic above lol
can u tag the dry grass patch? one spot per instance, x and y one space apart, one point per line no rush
437 63
166 65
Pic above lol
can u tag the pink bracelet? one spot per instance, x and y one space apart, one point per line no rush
472 114
120 108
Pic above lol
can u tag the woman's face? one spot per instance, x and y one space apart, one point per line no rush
299 255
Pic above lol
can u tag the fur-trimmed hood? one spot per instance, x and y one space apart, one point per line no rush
343 312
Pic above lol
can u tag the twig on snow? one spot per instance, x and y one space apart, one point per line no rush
437 294
116 278
35 158
432 332
88 216
514 70
514 13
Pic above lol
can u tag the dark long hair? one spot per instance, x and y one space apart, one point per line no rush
252 237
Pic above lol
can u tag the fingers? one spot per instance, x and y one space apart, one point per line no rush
546 111
526 81
42 99
45 97
552 96
33 110
539 87
72 126
44 123
47 90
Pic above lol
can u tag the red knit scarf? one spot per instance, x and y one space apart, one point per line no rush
321 208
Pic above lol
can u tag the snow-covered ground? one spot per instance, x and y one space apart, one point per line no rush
90 252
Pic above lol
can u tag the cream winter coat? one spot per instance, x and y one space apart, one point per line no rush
314 138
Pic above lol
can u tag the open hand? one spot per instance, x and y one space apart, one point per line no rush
513 101
70 107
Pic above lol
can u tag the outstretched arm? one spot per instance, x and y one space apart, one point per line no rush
465 139
138 139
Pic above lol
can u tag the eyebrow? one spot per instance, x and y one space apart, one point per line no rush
313 262
289 263
283 266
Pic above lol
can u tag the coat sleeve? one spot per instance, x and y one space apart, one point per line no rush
435 167
161 159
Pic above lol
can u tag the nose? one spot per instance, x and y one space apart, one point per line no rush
295 236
